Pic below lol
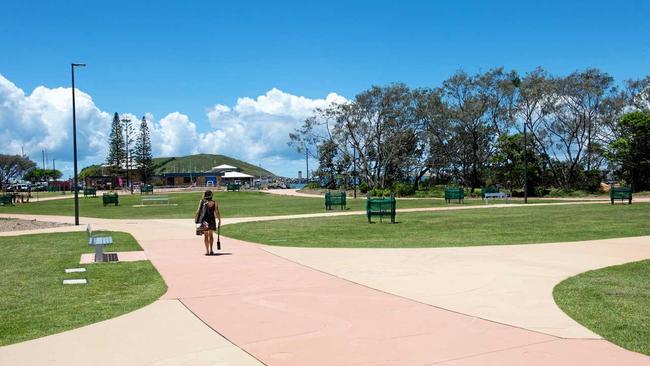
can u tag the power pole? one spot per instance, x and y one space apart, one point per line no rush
43 153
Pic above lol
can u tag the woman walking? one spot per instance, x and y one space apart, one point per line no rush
206 216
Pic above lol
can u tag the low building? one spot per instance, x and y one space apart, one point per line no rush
217 176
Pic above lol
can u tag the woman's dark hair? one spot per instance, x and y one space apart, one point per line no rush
207 195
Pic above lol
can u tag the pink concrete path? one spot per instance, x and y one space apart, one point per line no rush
284 313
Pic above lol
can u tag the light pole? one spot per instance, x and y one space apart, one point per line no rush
74 146
525 166
307 163
354 171
516 82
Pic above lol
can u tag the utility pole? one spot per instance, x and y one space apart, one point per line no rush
307 163
43 153
53 164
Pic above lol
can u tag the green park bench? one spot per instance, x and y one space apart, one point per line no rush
337 199
6 200
622 193
381 207
90 191
110 198
232 187
454 194
146 188
99 242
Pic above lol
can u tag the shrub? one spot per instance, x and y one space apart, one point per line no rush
403 189
363 187
312 185
378 192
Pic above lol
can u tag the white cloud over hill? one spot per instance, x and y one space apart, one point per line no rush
254 129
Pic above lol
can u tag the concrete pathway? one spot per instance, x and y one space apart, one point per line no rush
510 284
285 313
163 333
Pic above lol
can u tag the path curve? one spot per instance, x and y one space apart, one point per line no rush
285 313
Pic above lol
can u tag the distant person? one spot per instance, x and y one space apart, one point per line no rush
205 218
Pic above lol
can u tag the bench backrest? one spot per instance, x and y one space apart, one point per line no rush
620 192
454 193
485 190
335 198
375 204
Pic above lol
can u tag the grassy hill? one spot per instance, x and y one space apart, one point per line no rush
194 163
204 162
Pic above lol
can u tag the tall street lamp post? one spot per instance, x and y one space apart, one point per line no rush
516 82
74 146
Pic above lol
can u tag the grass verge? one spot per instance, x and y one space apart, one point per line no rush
232 204
612 302
512 225
34 303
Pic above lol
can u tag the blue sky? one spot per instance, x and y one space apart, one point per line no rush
177 61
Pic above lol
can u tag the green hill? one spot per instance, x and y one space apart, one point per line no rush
204 162
193 163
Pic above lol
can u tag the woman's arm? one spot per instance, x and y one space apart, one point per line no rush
217 212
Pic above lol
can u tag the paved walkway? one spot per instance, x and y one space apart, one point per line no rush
510 284
163 333
285 313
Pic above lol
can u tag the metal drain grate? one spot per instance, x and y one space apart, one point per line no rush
110 257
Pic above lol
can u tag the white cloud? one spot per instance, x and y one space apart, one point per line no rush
43 120
254 129
258 129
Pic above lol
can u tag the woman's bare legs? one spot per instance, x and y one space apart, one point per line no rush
211 235
206 240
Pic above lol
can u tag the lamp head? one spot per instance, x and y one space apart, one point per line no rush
80 65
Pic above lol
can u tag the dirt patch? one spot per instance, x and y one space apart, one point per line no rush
20 225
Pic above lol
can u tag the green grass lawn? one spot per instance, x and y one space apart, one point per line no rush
612 302
35 303
232 204
512 225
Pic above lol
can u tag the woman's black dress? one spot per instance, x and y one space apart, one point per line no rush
209 215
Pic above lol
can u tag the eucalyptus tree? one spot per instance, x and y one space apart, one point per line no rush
480 108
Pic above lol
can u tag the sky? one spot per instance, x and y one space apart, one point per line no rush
235 78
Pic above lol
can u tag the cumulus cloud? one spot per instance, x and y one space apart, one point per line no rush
254 129
258 129
43 120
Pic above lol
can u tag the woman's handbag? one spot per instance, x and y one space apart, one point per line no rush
198 217
200 228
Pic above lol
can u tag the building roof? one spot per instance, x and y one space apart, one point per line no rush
237 175
224 167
